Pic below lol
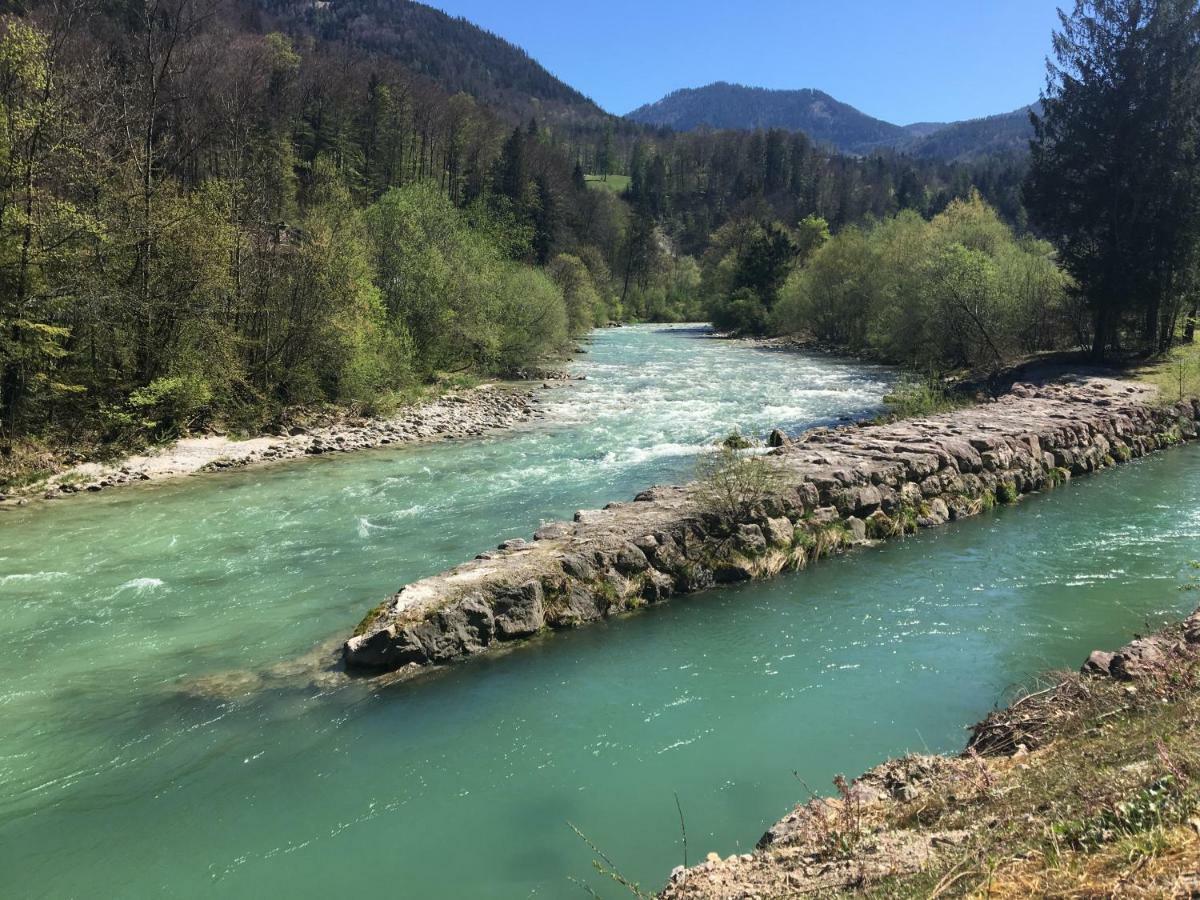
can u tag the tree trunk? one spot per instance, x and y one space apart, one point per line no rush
1100 335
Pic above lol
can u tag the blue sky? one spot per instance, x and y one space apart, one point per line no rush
904 60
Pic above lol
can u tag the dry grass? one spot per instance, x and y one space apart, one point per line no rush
1100 799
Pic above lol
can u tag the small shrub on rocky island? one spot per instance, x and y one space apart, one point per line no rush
730 485
736 441
919 396
1058 475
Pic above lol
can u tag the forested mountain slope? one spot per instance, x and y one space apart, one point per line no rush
456 54
973 138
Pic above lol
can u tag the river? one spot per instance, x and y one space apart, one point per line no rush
117 781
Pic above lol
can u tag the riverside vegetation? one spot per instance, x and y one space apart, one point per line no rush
1108 260
214 212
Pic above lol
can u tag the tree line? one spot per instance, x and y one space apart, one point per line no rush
1093 242
200 221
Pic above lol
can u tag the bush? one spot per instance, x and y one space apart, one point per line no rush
731 485
742 314
959 290
736 441
1006 492
172 404
531 319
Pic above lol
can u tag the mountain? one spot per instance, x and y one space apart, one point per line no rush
923 129
962 141
452 52
736 107
829 121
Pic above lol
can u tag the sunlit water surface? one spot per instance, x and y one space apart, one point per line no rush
116 781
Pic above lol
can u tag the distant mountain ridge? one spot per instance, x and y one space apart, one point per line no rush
460 56
823 118
722 105
1004 133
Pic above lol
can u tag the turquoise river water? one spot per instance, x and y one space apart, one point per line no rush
118 779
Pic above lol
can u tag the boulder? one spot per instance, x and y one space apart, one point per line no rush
935 512
466 627
732 570
779 532
825 515
750 539
1139 658
388 648
579 604
858 530
577 566
553 531
631 560
518 610
1191 628
657 586
1098 663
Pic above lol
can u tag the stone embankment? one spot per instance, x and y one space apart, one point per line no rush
885 825
832 489
461 414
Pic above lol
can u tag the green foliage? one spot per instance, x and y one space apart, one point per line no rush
736 441
1193 579
1006 492
881 526
1176 374
959 290
730 485
168 261
530 319
171 404
1115 165
584 306
670 293
746 265
1057 476
741 314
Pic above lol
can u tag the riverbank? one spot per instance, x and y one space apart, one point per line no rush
458 414
831 489
1087 787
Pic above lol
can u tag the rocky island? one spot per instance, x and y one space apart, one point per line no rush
829 489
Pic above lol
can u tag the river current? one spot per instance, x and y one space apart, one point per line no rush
119 778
